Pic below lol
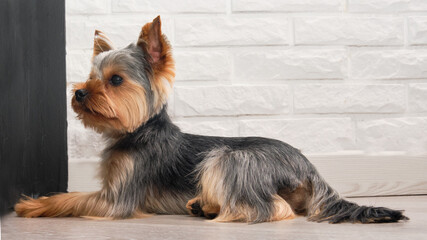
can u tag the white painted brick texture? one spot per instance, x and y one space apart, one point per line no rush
231 30
202 65
387 6
388 64
271 63
407 135
338 98
287 6
352 30
326 76
417 27
169 6
231 100
417 97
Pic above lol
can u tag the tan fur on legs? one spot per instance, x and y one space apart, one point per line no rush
211 210
208 210
194 207
244 213
282 210
191 202
68 204
238 214
61 205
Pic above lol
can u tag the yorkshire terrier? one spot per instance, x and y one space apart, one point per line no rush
150 166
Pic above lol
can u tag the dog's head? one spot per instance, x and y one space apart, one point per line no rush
126 86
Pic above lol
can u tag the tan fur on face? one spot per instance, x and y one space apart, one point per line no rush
121 108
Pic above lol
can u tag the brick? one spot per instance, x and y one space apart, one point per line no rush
317 135
286 6
338 98
78 36
78 65
168 6
417 30
210 31
296 63
231 100
386 5
388 64
87 7
205 64
395 134
225 128
349 30
417 97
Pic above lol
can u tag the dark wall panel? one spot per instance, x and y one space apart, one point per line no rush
33 148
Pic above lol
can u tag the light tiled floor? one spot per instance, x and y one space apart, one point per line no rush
186 227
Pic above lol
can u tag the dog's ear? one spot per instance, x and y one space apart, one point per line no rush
158 51
151 40
101 43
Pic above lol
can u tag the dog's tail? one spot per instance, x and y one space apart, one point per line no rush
327 205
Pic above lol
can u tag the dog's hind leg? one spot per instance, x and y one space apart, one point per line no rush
282 210
194 207
207 210
232 187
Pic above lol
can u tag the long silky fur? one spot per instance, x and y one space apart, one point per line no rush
251 171
153 167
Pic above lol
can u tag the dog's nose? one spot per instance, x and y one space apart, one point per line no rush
81 95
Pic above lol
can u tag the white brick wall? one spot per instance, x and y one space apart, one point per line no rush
326 76
349 30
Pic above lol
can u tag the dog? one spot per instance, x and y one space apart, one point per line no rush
150 167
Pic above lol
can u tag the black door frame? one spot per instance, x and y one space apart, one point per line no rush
33 127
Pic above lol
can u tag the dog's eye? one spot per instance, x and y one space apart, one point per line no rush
116 80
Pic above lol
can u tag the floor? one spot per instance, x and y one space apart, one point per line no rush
186 227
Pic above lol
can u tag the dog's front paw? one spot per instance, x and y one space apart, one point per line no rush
194 207
30 207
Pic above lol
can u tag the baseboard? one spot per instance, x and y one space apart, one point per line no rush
358 175
351 175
